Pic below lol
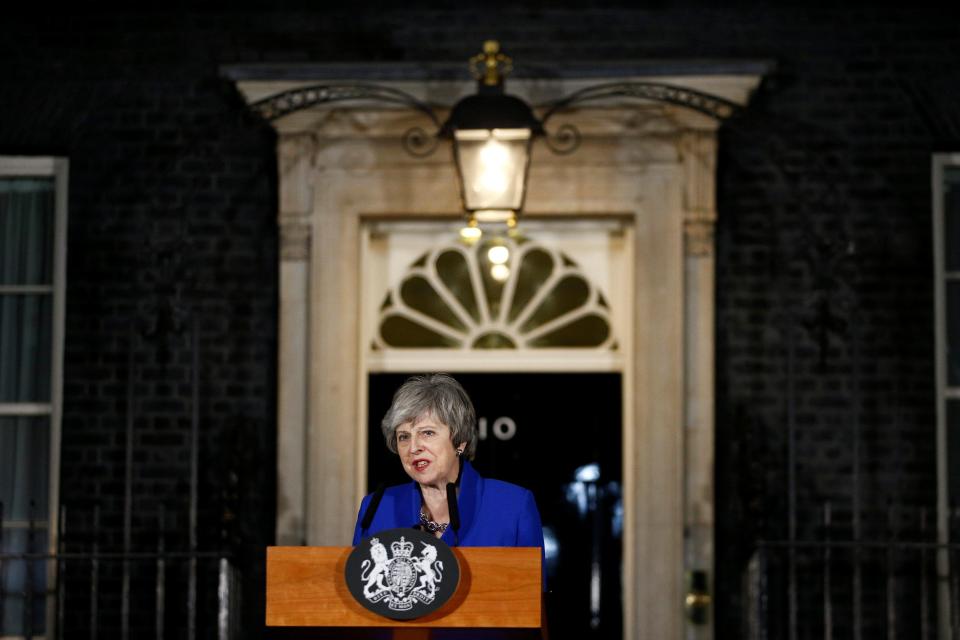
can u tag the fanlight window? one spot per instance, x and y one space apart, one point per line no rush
497 294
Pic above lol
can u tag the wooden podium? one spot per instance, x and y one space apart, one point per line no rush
308 598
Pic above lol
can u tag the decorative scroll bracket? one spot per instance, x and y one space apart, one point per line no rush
420 143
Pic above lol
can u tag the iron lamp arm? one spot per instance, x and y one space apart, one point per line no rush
416 140
705 103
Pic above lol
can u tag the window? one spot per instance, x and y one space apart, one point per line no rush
946 251
946 225
32 287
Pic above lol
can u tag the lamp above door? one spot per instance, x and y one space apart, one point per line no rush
491 134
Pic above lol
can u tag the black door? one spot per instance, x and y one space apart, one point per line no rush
559 435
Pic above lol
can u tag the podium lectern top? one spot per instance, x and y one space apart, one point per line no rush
499 588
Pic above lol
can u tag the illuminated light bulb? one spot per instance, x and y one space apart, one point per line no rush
470 233
500 272
498 254
492 180
494 154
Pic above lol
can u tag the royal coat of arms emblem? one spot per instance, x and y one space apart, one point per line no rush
399 580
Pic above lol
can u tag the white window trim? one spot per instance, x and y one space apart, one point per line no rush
58 168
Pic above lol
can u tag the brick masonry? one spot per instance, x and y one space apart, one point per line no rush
824 296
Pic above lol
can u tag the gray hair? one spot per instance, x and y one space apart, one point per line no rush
441 396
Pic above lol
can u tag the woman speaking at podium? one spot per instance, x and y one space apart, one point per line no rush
431 425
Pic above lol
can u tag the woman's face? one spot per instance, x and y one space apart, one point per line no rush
427 452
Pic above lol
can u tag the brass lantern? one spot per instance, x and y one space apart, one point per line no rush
491 133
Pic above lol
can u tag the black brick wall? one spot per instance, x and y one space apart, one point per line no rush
171 221
823 248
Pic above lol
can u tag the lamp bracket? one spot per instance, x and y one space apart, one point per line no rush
705 103
566 138
416 141
419 142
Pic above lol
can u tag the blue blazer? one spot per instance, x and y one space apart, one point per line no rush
492 513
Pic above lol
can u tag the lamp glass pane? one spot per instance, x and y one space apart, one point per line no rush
493 166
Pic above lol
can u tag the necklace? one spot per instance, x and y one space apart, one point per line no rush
432 526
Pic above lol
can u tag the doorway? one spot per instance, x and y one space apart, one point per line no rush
347 186
560 436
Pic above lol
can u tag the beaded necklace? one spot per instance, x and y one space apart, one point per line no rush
432 526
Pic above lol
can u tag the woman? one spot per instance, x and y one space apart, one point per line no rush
431 425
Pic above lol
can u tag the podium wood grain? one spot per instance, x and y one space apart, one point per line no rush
499 588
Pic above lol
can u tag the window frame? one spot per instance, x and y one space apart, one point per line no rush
58 169
945 393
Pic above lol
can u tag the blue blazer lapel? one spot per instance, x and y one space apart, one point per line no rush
468 502
407 507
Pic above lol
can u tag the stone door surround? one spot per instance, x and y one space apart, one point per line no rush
652 163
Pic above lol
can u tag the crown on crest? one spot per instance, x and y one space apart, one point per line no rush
402 548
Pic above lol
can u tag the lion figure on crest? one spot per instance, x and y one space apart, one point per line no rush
374 577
